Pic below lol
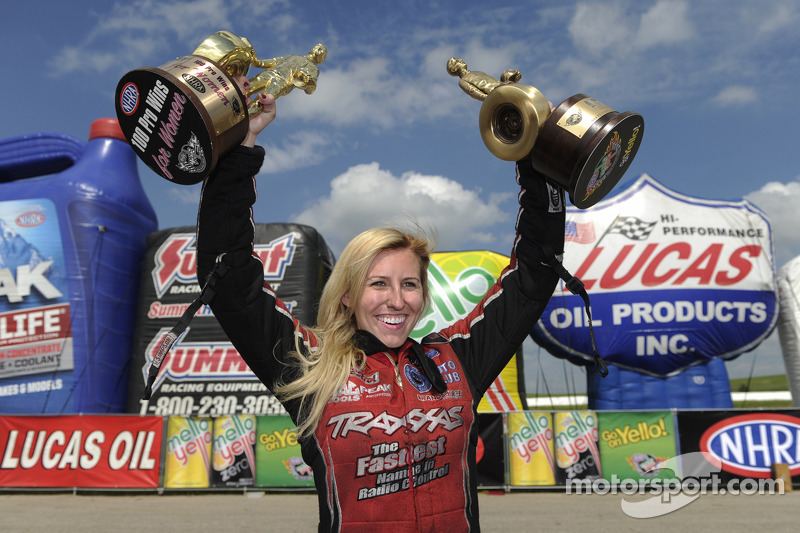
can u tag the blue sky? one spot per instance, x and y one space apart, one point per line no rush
388 134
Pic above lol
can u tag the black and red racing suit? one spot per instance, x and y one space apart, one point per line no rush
390 452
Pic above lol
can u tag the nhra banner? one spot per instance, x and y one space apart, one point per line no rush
203 374
743 444
673 281
458 281
81 451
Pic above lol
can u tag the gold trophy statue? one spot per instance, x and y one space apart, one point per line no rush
582 144
181 117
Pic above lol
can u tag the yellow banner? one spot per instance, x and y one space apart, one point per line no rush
458 281
188 462
531 449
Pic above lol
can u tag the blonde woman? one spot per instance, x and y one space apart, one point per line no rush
388 424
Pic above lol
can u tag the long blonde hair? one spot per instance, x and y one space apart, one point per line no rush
324 370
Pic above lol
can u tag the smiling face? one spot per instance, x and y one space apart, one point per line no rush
392 299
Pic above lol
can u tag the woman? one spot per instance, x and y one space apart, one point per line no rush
388 424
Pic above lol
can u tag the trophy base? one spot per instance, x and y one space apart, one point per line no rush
180 118
586 147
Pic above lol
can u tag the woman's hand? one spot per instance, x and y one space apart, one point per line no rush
260 121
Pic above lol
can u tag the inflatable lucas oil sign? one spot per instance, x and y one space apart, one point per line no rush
673 281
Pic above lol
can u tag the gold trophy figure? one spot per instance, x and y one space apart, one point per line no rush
582 144
282 74
181 117
511 114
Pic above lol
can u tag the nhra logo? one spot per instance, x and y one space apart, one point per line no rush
194 83
748 445
175 260
129 99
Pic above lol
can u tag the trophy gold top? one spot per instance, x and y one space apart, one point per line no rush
280 75
233 53
478 84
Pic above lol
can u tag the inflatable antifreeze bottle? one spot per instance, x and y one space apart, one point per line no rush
73 224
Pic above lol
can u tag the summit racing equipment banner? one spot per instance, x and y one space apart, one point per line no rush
673 281
203 374
81 451
458 281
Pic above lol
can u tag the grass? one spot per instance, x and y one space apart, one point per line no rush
779 382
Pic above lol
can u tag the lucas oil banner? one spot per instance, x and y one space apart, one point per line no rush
673 281
203 374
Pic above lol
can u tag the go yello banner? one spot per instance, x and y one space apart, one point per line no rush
279 462
633 444
188 460
531 449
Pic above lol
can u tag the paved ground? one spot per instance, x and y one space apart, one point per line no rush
510 512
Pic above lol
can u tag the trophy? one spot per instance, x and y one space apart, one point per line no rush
181 117
582 145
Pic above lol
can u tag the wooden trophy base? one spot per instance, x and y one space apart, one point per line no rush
586 147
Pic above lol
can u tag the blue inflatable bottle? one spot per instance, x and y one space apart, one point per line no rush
74 219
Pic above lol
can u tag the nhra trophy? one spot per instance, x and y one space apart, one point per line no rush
181 117
582 145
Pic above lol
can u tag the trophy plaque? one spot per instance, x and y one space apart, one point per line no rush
582 145
181 117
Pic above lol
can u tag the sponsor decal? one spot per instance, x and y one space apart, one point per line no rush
631 142
748 445
129 98
194 83
175 260
605 165
389 463
417 379
416 420
352 392
29 220
191 158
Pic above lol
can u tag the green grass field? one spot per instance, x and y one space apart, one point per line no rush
778 382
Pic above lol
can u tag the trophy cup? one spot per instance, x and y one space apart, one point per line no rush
181 117
582 145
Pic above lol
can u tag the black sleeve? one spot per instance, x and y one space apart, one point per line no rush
487 338
258 324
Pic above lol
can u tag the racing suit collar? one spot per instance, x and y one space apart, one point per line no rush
369 344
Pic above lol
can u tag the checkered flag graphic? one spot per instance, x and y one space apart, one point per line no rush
632 228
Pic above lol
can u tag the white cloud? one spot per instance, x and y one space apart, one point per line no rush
367 196
735 95
779 201
665 23
597 27
299 150
136 32
779 18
